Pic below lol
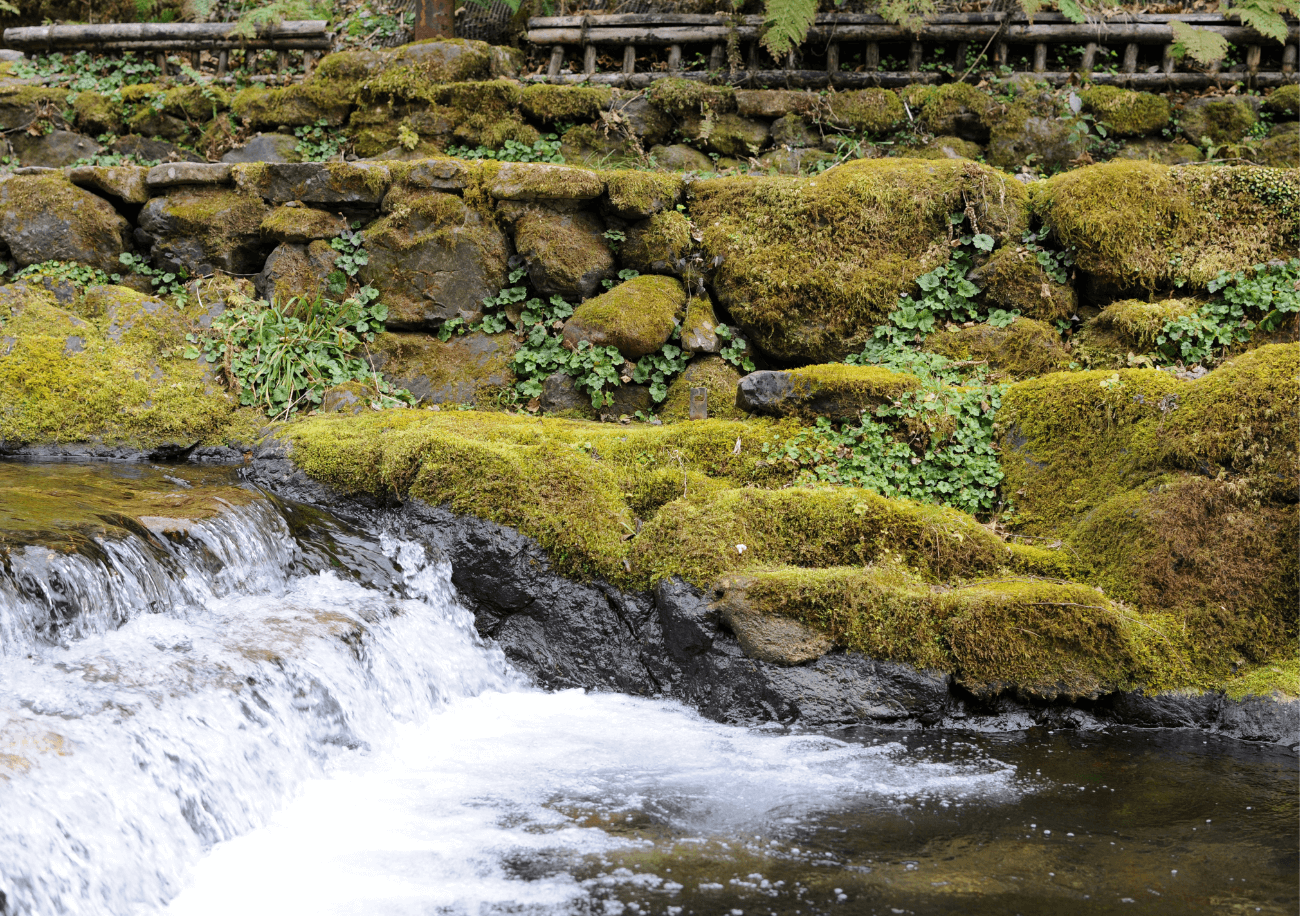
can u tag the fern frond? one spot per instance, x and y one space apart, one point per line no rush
1267 17
910 14
1201 45
786 24
272 14
1032 8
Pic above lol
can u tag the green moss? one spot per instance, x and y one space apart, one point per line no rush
293 106
712 373
636 316
301 223
679 97
635 192
809 528
664 239
1137 323
1024 349
1013 279
469 369
118 378
21 105
858 386
140 92
1222 121
346 69
1285 100
875 111
1138 224
215 216
939 108
197 103
811 265
1126 113
97 114
549 104
1278 676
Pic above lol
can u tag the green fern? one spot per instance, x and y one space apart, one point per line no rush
272 14
1267 17
910 14
1201 45
786 24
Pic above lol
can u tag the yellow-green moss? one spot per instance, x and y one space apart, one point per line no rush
858 385
118 378
659 243
1138 224
1126 113
292 106
409 72
811 265
875 111
469 369
97 114
1137 323
939 107
636 316
635 191
739 530
346 69
1024 349
549 104
712 373
1013 279
1223 121
1277 676
197 103
1285 100
679 97
215 216
301 224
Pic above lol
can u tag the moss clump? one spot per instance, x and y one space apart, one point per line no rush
946 148
115 378
875 111
196 103
1285 101
809 528
1141 225
562 482
811 265
548 104
346 69
657 244
679 97
1137 323
1222 121
1013 279
639 194
953 108
292 106
301 224
1127 113
1024 349
97 114
712 373
1047 639
1277 677
637 316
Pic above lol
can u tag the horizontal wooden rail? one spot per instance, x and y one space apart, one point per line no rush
307 34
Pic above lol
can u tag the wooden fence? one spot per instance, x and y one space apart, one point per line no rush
1142 45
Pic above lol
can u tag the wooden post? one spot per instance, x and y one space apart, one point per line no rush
557 61
963 48
871 59
161 60
1089 56
1252 59
717 56
1130 58
223 62
1289 59
674 58
914 57
833 58
589 60
1040 58
629 59
1000 53
282 61
1167 59
753 57
434 19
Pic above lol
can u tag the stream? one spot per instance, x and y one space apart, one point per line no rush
214 701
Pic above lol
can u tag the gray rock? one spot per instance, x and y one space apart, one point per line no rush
767 637
144 149
700 327
53 150
439 175
1046 142
438 261
204 230
808 394
774 103
467 369
266 148
296 270
560 394
175 174
681 158
352 184
45 217
566 253
642 119
125 182
793 161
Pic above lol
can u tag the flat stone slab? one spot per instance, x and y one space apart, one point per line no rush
356 184
173 174
542 181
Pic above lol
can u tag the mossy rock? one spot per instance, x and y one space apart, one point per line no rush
1137 323
637 194
1030 133
469 368
347 69
833 390
542 181
593 147
793 161
300 225
680 158
680 98
700 327
299 105
656 245
97 114
205 230
20 105
727 134
1014 280
411 71
433 258
1281 150
549 104
772 638
874 111
125 182
195 103
1046 640
1225 120
1023 349
296 270
953 110
46 217
566 253
947 148
1126 113
811 265
715 375
108 369
1161 151
637 317
1284 101
1138 225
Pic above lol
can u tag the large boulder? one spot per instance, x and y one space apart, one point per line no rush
205 230
470 368
809 266
637 317
566 253
433 259
833 390
46 217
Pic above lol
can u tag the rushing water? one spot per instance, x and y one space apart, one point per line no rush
263 712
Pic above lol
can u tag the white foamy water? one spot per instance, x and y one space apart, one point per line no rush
265 744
